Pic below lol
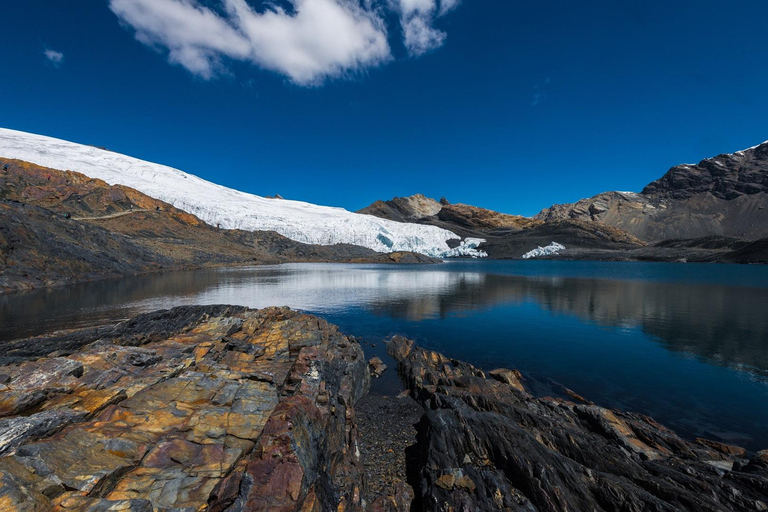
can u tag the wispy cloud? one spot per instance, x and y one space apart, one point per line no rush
312 41
540 92
54 57
417 19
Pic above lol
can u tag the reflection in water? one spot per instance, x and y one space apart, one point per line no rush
602 337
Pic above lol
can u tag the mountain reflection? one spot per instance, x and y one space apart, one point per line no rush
723 324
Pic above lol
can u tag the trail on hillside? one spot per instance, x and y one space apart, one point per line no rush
113 215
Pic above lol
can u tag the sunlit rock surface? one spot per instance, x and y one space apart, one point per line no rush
218 407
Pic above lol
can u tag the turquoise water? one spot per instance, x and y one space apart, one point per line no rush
685 344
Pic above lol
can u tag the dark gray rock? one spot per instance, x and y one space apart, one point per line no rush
488 445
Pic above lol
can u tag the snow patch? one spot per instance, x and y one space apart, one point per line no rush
552 249
232 209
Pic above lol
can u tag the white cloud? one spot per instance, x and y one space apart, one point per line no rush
448 5
319 39
313 41
420 36
417 18
54 57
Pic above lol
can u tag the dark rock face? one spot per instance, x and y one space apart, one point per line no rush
217 408
726 176
404 209
722 196
487 444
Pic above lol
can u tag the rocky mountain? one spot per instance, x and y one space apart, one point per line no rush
482 219
504 235
63 227
459 217
726 195
404 209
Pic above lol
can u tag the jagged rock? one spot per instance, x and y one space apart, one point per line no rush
511 377
376 366
404 209
726 195
487 445
483 219
218 407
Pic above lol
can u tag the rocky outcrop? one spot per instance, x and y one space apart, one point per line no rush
485 443
216 408
722 196
483 219
726 176
404 209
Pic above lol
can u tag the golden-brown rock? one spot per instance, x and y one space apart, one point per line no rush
219 407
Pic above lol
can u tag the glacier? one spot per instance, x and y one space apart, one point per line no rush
233 209
552 249
466 249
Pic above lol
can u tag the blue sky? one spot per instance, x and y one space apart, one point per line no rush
510 105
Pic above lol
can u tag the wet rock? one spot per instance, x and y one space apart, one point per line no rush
487 445
376 366
218 407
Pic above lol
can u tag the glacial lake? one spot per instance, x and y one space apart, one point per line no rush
684 343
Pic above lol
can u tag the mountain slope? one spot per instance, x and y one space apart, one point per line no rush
726 195
62 227
225 207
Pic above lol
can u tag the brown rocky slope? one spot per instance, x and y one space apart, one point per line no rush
60 227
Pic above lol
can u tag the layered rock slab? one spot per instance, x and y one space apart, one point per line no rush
215 408
487 444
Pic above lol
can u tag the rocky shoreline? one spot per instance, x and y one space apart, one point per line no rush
224 408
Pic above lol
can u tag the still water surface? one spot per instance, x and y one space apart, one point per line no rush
686 344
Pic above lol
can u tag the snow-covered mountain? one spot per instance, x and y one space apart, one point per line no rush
229 208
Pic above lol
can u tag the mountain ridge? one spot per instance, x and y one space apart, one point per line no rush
725 195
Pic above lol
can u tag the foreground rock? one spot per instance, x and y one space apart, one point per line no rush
487 444
216 408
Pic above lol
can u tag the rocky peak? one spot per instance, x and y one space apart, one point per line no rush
404 209
482 219
725 176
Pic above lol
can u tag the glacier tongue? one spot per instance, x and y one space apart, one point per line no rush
226 207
